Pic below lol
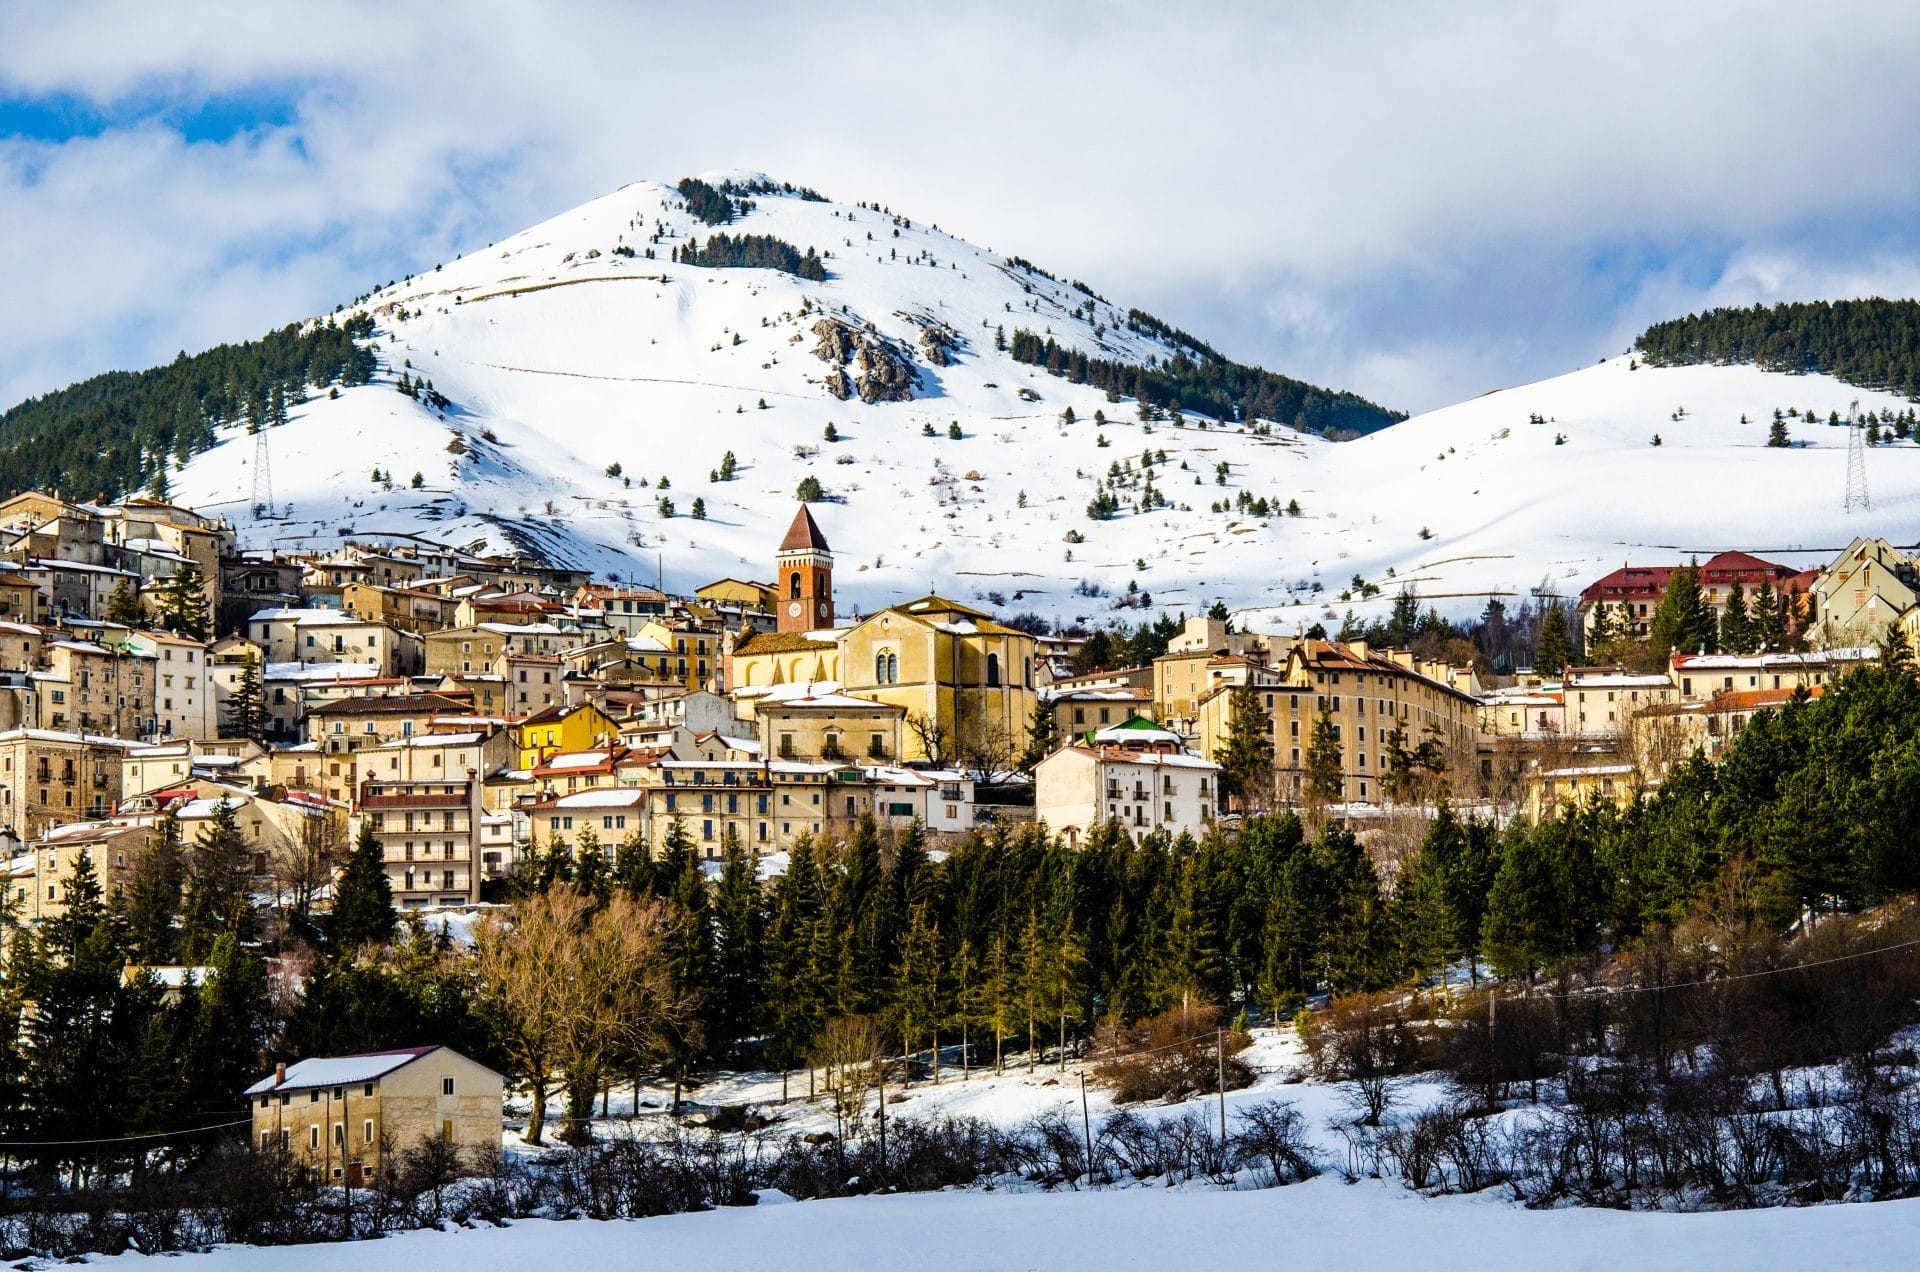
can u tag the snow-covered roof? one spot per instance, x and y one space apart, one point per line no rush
308 617
604 797
78 739
1137 732
320 672
339 1070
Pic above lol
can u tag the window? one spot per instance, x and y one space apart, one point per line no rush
993 670
366 1130
313 1136
793 585
446 1086
446 1132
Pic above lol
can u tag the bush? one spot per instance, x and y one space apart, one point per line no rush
1170 1056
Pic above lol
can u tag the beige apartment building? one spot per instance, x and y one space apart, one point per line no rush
1368 693
429 836
348 1117
49 778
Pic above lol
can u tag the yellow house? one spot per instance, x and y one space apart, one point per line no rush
561 728
966 681
742 592
349 1117
830 726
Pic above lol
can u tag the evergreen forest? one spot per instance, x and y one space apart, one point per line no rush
1210 384
1871 343
110 435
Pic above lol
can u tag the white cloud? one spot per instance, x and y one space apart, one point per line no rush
1415 200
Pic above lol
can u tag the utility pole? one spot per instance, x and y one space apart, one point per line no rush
1220 1063
1086 1125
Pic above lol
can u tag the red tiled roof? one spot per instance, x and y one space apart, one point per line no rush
804 534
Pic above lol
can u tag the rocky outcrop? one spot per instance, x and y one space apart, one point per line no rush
883 370
938 342
886 371
836 341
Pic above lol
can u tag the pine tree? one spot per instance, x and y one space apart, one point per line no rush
1765 629
1245 755
153 895
123 607
994 997
1356 918
793 1009
1042 734
1324 781
1683 622
362 895
182 603
1419 918
1777 432
689 952
85 909
219 898
1550 657
739 924
915 1007
246 713
1736 628
633 866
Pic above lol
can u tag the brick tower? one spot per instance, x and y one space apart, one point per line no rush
803 571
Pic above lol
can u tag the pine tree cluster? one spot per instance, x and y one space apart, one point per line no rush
1872 343
752 251
1226 390
109 435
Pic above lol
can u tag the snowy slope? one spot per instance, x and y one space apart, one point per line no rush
561 358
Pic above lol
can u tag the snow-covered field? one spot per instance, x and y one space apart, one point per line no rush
560 363
1141 1224
1319 1224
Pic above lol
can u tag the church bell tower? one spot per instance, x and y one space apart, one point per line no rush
803 573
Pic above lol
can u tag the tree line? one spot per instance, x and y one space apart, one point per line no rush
1873 343
752 251
1213 385
110 435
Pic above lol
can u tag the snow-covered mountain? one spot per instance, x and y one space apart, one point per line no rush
559 355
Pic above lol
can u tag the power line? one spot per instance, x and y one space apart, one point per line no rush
158 1134
1743 976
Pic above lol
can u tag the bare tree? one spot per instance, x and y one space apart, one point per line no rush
852 1050
581 990
305 862
624 1002
934 736
1364 1039
526 966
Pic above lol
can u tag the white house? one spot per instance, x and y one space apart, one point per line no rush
1136 774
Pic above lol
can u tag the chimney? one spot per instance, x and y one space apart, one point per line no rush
280 1074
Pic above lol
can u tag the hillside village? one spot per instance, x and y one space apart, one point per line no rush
475 715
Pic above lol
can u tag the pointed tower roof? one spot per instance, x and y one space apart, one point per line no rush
804 535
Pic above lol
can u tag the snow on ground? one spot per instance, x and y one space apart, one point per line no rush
562 358
1137 1225
1321 1223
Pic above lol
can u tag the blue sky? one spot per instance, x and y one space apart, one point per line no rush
1420 201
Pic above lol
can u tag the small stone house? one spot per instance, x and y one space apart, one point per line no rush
339 1114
